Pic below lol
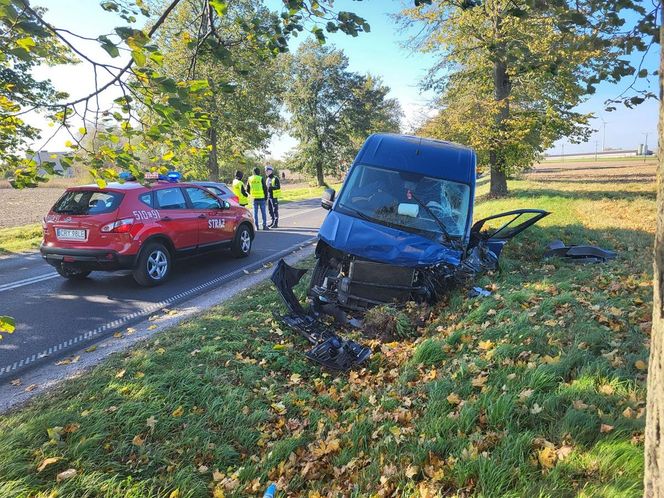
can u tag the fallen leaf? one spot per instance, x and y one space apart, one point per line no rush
178 412
15 382
479 381
138 440
628 413
30 388
279 408
525 394
161 351
412 471
175 493
547 457
485 345
152 327
91 349
67 474
117 335
120 374
579 405
151 422
564 451
605 428
217 476
139 375
640 365
218 493
536 409
202 469
296 378
85 413
606 389
47 462
453 399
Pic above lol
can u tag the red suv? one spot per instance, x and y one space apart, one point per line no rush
131 226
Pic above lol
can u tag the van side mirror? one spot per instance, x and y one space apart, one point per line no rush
327 199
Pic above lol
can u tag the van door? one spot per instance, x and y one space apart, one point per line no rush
498 229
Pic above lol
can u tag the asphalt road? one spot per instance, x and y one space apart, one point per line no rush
55 317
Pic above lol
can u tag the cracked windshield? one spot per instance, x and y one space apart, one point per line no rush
417 203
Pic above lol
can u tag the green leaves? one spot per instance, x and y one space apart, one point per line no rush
110 47
220 7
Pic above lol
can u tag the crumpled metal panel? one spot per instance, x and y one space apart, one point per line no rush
384 244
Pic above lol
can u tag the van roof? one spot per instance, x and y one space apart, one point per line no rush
427 156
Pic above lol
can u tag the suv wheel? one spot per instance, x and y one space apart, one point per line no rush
242 242
153 265
72 273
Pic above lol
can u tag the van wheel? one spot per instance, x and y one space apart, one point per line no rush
241 246
153 266
72 273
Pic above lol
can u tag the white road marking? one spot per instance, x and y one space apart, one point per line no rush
27 281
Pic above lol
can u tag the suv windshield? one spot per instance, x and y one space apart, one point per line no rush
87 202
398 198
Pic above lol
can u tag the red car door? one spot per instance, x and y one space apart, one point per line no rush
177 219
215 225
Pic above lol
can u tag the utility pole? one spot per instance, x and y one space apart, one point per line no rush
563 153
603 135
596 144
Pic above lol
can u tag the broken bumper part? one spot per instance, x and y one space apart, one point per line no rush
329 349
581 253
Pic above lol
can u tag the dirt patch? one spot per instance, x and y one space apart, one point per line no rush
594 172
23 207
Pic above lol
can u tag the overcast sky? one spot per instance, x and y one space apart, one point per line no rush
379 52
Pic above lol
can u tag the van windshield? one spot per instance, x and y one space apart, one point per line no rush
85 202
405 200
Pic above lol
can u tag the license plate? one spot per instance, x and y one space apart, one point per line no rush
70 234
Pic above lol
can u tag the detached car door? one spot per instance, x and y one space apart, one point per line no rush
177 220
498 229
214 223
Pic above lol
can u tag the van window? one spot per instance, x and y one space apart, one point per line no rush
170 198
87 202
406 200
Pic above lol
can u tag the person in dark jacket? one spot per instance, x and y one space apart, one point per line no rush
257 189
273 195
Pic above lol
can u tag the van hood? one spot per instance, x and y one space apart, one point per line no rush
383 244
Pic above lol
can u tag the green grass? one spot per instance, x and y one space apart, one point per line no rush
19 239
303 193
533 391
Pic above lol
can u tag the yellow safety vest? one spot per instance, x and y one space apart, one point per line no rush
237 190
256 186
276 192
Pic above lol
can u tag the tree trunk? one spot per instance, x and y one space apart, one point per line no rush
501 88
213 162
319 174
654 445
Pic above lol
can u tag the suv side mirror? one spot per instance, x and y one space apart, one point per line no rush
225 205
327 199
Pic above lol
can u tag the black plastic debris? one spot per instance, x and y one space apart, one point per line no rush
330 350
584 254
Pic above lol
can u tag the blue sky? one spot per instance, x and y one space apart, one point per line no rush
379 52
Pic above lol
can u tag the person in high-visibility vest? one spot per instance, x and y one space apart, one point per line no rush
273 195
239 190
258 192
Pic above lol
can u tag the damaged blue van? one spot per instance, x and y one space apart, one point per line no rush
399 230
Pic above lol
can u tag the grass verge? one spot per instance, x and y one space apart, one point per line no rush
537 390
303 193
19 239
